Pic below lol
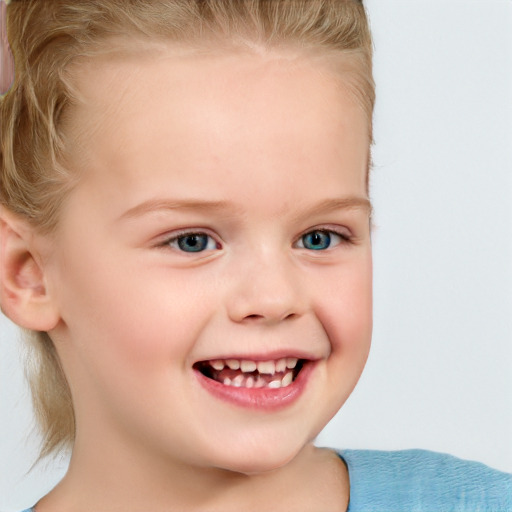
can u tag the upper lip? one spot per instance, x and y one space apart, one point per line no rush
267 356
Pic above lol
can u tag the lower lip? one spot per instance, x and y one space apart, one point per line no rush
259 398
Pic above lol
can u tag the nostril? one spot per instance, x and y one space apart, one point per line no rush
255 317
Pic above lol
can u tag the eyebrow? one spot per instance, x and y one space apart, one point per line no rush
342 203
155 205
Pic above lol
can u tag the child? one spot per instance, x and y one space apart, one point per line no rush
194 264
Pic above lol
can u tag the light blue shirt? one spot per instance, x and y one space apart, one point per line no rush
422 481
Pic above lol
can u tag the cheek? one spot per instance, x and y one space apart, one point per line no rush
346 311
344 308
129 312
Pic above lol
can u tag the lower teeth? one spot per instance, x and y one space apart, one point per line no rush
260 382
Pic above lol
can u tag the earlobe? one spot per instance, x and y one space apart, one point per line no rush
24 297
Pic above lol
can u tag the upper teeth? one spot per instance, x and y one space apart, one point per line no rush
234 364
246 365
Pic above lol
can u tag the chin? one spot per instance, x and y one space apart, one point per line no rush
257 467
260 458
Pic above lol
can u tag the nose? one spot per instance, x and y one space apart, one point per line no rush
265 290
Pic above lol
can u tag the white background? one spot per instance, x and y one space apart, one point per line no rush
439 375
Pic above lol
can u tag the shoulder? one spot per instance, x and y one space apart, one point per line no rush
423 481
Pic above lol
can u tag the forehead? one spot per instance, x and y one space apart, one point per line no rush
167 109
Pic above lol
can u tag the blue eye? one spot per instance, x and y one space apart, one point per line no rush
193 242
319 240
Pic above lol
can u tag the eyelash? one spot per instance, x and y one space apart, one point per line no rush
344 239
175 239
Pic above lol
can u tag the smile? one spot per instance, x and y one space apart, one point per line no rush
245 373
269 384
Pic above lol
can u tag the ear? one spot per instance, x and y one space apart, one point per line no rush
24 297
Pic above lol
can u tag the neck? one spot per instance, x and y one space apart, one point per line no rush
109 477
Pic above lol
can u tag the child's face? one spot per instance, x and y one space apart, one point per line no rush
264 159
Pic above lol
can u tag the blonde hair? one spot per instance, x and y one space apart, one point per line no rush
47 36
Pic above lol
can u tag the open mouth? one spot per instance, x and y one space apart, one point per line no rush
273 374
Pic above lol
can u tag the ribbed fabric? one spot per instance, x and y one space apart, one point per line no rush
422 481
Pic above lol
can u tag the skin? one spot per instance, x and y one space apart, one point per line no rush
272 137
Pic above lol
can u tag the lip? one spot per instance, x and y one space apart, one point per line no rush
267 356
266 399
